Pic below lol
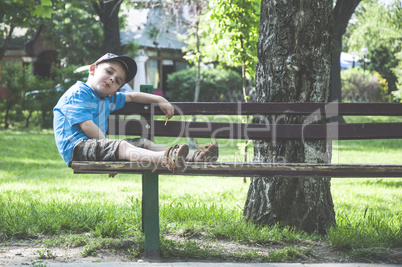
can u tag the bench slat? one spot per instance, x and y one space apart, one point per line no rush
257 131
277 108
240 169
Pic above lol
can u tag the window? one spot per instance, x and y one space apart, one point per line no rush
153 73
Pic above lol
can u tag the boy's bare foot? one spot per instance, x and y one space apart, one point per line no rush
175 157
208 153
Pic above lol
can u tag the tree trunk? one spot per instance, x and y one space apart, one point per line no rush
192 142
342 13
294 65
3 48
6 125
108 12
28 118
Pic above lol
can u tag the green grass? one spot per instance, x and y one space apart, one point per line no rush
41 197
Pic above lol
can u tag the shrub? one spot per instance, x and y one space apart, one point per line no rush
40 96
217 85
398 73
362 86
43 93
10 80
65 77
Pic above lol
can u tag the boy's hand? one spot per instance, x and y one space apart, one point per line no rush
167 108
145 98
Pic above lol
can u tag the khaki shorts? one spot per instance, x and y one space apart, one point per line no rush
101 149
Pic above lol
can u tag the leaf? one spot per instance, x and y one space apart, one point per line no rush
46 2
43 11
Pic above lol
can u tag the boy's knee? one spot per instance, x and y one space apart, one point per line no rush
123 144
148 143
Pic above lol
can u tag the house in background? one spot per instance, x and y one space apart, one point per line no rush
160 50
36 51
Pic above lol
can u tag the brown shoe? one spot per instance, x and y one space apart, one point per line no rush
208 153
175 157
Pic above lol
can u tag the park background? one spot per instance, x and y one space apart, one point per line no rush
42 200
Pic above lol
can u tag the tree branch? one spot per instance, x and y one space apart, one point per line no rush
343 11
98 10
116 7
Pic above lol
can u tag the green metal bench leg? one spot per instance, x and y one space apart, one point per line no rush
150 199
150 214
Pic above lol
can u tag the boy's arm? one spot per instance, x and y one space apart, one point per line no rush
145 98
92 130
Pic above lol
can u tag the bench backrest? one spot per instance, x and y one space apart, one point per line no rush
276 121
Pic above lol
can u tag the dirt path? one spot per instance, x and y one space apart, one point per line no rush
32 253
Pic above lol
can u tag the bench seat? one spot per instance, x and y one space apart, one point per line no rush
240 169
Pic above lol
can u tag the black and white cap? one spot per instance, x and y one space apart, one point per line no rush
128 62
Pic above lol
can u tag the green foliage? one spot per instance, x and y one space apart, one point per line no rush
65 77
131 49
363 86
233 26
37 263
40 95
217 85
19 12
195 36
398 73
192 249
89 250
45 254
380 33
369 255
383 61
30 95
290 254
71 27
73 31
11 77
27 93
354 232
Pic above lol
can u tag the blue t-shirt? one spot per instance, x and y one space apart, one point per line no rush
81 103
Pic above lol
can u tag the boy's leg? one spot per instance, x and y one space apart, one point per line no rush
173 157
207 153
153 147
149 153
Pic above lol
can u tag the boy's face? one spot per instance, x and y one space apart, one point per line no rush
106 78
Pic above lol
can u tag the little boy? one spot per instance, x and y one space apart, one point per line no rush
80 120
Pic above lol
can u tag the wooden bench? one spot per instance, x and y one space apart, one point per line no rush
122 123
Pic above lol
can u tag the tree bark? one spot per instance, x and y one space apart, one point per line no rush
294 65
342 13
108 12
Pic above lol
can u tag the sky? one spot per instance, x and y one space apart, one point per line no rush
386 1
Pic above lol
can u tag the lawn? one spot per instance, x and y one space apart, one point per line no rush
41 197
